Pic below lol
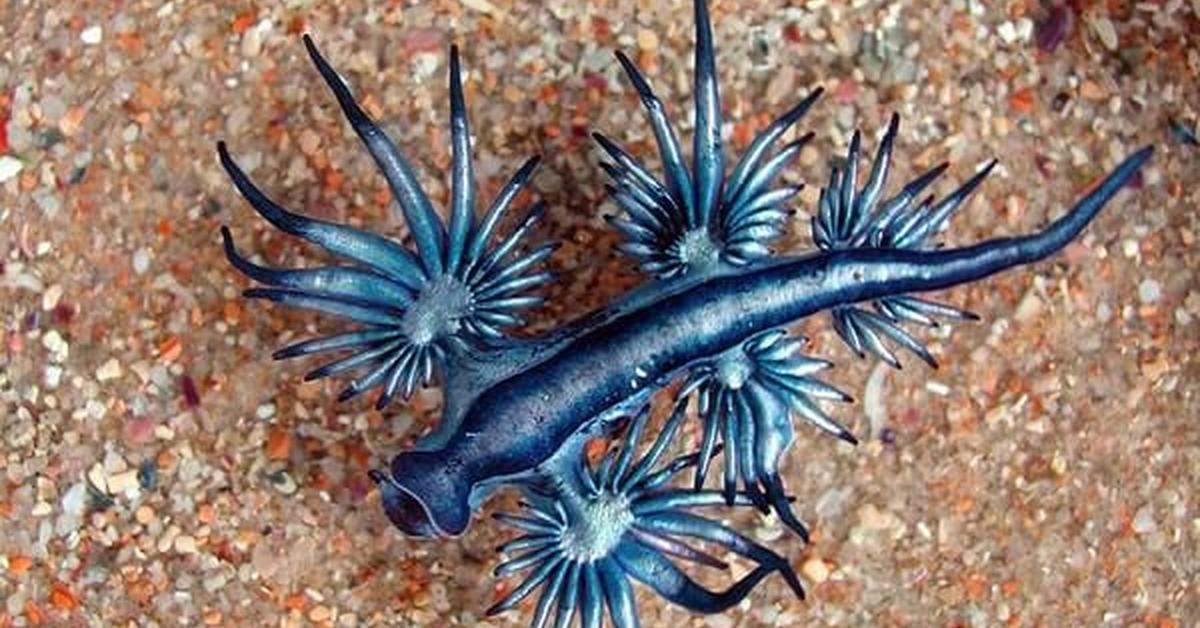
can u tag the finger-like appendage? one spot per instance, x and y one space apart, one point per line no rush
499 207
336 342
419 213
707 151
617 592
363 247
678 180
764 142
462 175
335 282
667 580
689 525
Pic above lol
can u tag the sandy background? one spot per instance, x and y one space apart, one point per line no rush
159 469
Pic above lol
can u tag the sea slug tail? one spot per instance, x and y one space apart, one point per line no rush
1056 236
954 266
849 217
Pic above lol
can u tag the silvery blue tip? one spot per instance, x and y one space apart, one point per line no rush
709 326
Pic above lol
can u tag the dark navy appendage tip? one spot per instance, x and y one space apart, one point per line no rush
519 411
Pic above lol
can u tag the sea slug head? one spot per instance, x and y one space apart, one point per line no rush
404 510
425 495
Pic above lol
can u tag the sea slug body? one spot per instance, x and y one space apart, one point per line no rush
519 411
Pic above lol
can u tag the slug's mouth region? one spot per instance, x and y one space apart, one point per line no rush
404 510
427 494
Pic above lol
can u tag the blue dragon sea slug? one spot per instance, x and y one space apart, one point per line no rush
518 411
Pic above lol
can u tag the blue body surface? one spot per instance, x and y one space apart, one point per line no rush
529 415
518 412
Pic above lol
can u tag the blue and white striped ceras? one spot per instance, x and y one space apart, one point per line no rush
518 411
